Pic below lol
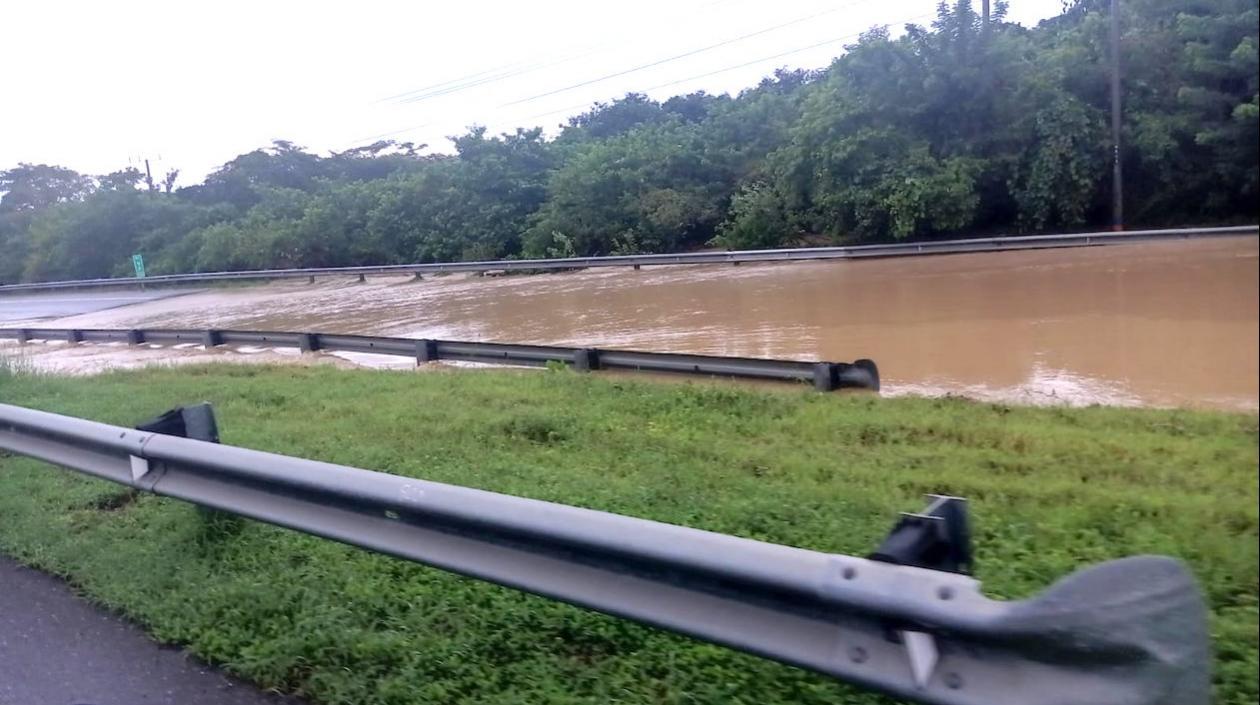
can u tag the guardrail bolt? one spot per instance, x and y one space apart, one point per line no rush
23 335
135 337
211 338
308 342
825 376
586 359
426 350
74 336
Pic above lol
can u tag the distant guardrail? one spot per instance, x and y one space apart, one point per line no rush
988 244
907 620
825 376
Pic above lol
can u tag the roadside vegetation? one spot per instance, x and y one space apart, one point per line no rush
945 129
1053 490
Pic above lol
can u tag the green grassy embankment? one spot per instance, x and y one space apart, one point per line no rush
1052 490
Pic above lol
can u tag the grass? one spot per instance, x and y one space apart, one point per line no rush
14 365
1052 490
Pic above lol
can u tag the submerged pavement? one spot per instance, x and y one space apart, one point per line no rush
40 306
57 649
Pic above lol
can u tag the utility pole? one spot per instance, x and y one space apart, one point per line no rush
148 176
1117 177
985 15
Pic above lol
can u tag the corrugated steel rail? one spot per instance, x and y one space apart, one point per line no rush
825 376
987 244
1127 632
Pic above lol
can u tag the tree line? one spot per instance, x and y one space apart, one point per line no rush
959 127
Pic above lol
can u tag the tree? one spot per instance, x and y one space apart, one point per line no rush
949 129
122 180
240 182
33 187
651 189
606 120
25 191
96 237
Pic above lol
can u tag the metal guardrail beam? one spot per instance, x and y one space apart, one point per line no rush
1127 632
825 376
1022 242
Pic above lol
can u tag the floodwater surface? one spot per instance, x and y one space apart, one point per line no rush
1164 324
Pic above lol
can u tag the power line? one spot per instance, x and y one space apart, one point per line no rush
444 84
373 138
773 56
495 78
666 60
732 67
683 55
493 75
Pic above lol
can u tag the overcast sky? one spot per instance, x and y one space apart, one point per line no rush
96 86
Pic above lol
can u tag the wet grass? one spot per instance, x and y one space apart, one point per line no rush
1052 490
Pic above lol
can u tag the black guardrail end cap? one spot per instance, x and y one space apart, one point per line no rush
938 538
194 421
860 374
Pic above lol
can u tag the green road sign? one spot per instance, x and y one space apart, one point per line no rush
138 262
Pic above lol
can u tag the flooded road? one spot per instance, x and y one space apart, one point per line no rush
1167 324
42 306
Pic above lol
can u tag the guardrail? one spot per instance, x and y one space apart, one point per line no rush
1127 632
825 376
1022 242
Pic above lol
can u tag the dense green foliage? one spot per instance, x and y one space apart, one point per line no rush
949 129
1053 490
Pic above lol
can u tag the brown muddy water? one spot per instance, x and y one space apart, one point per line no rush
1162 324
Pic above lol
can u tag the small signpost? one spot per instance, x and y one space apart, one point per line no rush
138 262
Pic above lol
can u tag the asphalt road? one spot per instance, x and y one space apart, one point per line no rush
56 649
31 307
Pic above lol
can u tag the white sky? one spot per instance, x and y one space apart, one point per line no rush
96 85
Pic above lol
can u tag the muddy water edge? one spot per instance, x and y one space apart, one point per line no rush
1164 324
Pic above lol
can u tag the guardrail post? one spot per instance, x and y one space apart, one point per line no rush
135 337
586 359
308 342
74 335
825 376
637 267
362 278
310 279
211 338
426 350
23 335
417 276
